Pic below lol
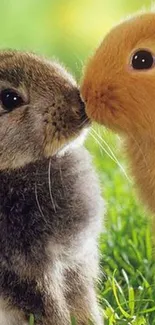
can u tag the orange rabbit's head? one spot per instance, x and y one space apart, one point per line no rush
119 81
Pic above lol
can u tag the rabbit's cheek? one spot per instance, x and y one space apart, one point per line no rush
103 105
63 122
59 133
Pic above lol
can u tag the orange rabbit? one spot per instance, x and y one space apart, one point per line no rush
119 92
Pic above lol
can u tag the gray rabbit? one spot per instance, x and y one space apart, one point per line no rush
50 202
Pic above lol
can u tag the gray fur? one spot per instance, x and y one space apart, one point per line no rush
50 202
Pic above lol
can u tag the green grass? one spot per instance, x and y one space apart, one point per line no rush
127 285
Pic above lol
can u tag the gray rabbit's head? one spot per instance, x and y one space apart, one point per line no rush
40 108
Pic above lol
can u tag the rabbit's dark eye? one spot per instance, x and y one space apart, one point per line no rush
10 99
142 59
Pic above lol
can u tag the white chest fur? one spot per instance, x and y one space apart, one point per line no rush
10 317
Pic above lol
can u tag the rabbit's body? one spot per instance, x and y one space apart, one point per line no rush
50 202
119 91
49 225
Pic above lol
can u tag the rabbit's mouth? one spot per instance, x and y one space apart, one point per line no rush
80 117
85 121
65 129
63 140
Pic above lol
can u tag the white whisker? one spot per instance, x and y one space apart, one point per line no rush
37 200
49 183
140 149
102 147
83 122
109 153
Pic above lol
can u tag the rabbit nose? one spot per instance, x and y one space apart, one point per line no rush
83 114
82 107
79 104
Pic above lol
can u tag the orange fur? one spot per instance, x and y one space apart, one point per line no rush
123 99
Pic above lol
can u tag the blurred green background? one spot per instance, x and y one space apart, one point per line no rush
70 30
65 29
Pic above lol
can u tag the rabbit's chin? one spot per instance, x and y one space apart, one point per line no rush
75 143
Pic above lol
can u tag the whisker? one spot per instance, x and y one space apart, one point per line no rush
49 183
37 200
110 153
83 122
140 149
102 147
99 136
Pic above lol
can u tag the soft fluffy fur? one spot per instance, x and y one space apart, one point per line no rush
50 202
123 99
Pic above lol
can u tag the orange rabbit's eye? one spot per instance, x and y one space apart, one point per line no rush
142 60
